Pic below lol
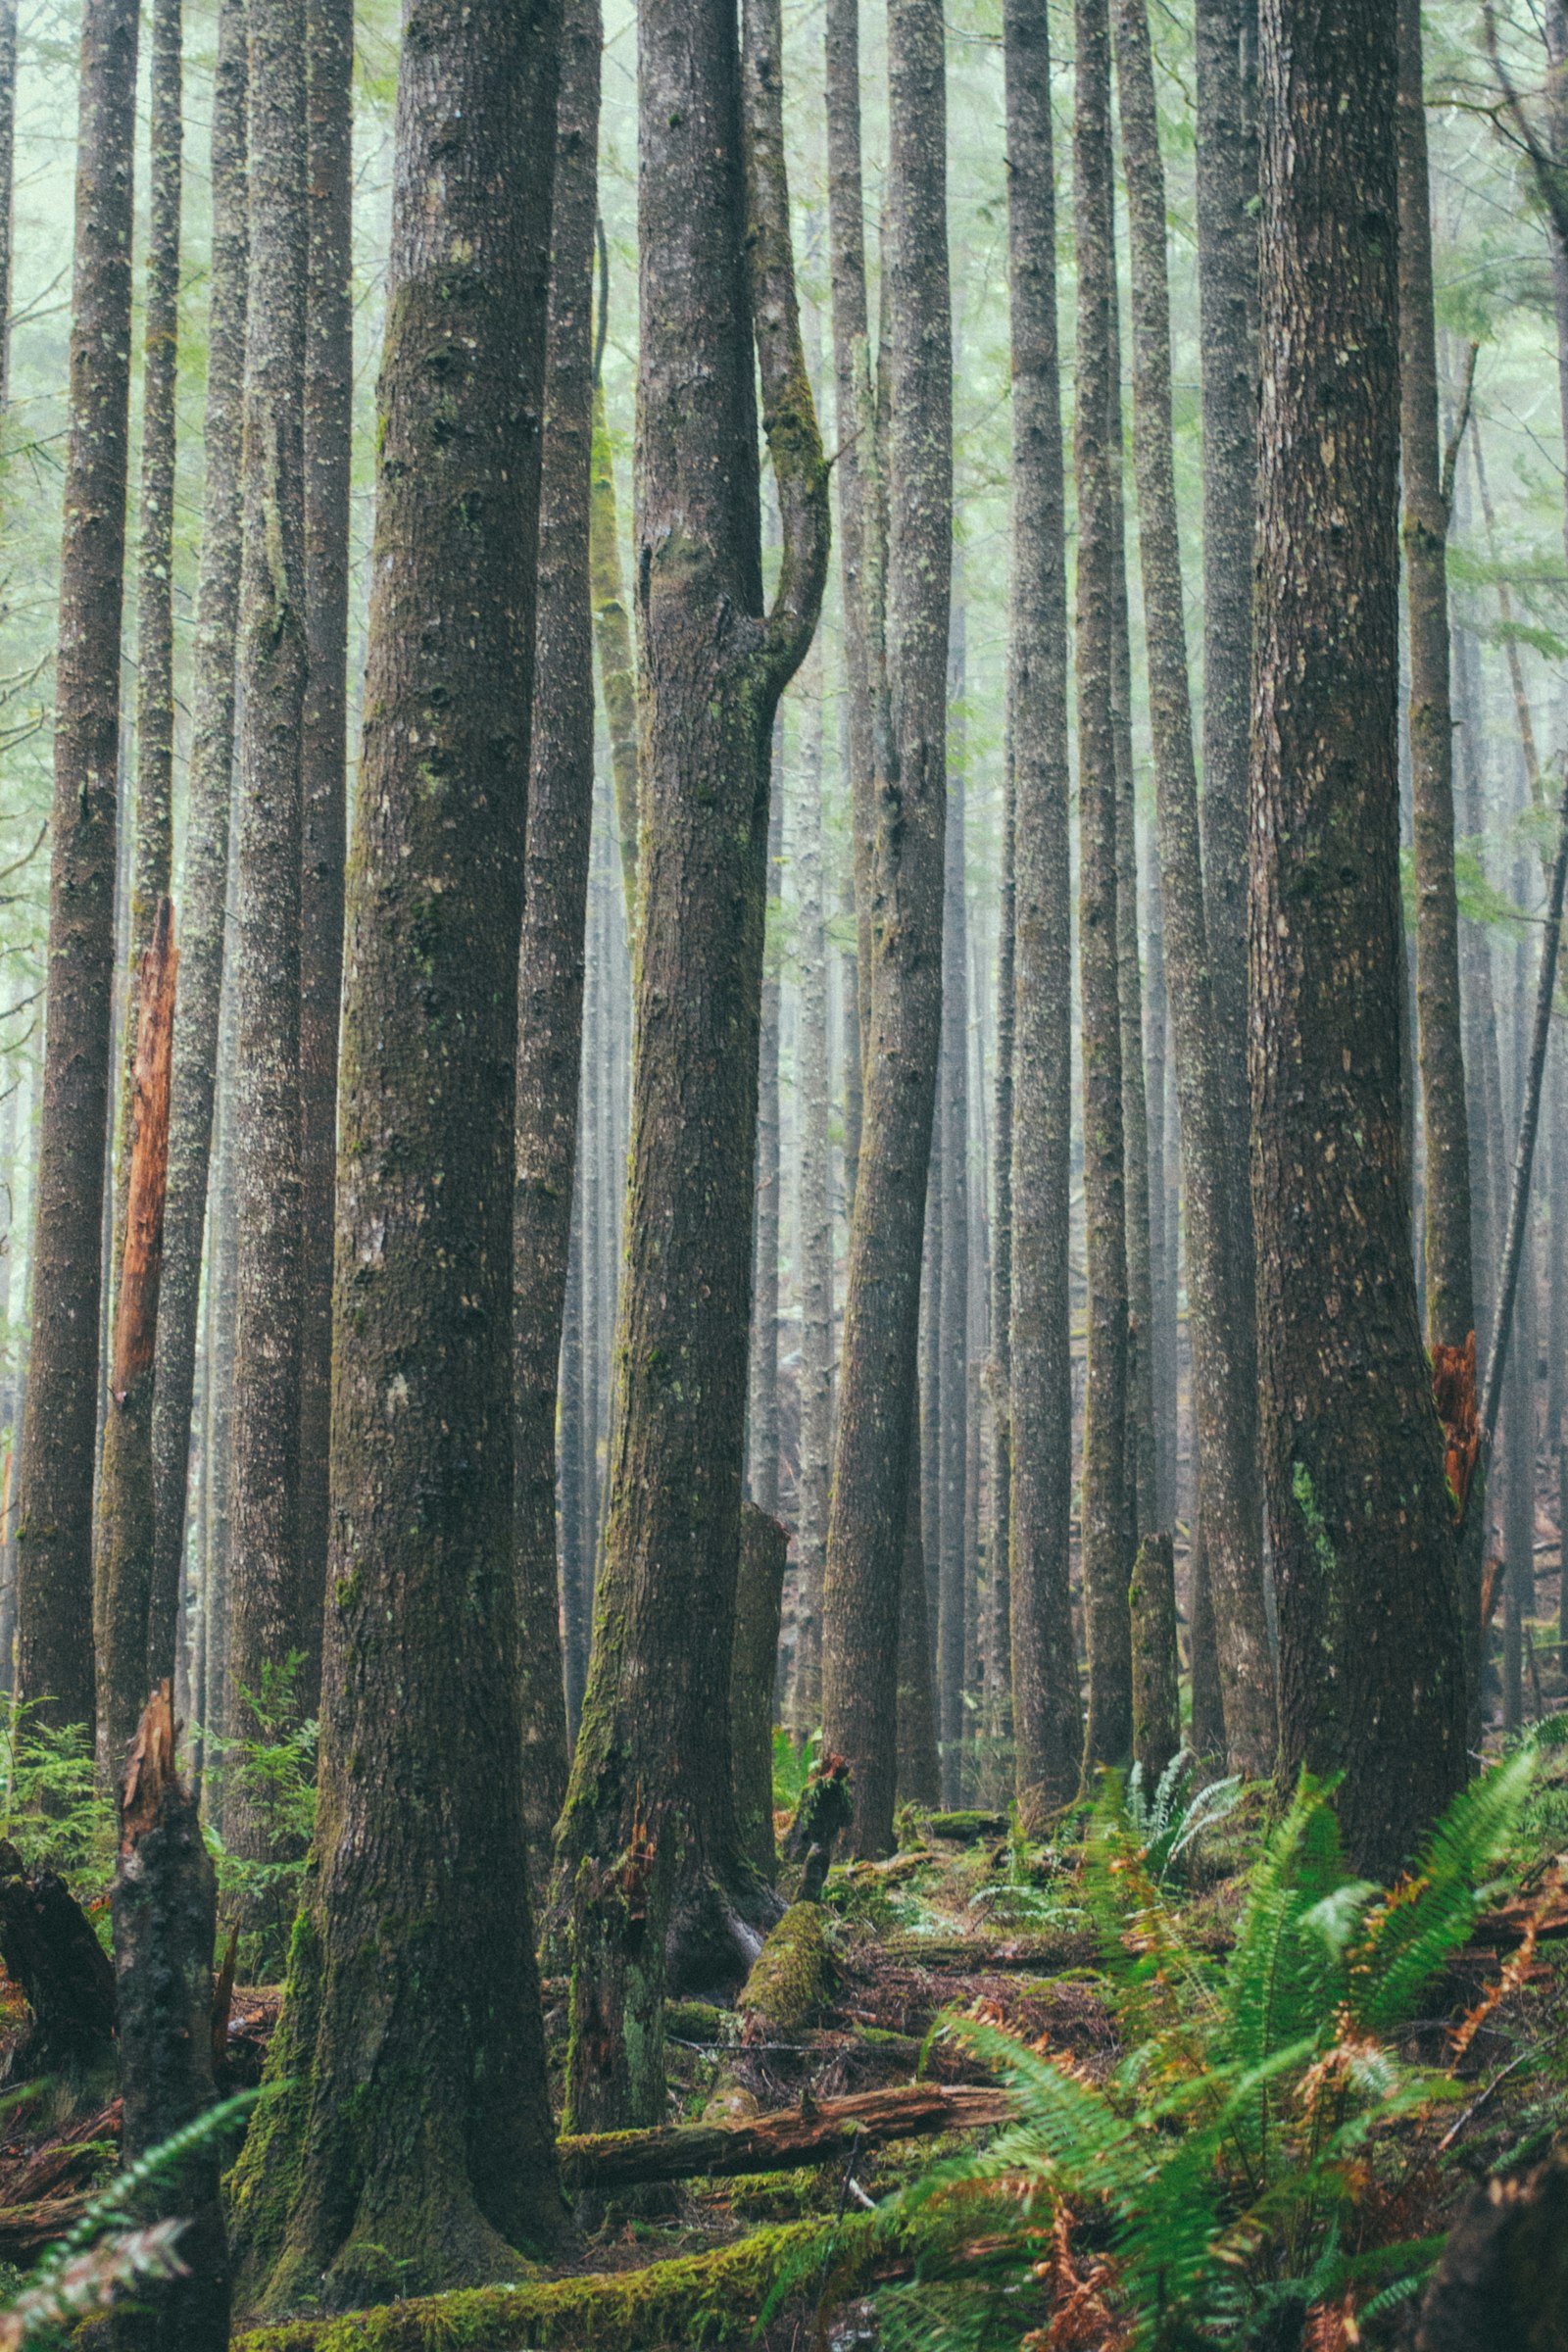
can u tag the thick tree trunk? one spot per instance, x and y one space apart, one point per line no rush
645 1848
1156 1690
1218 1277
1048 1724
1371 1660
813 1214
881 1316
164 1903
125 1495
421 1812
554 904
1105 1515
54 1535
264 1618
919 1772
209 796
324 754
759 1595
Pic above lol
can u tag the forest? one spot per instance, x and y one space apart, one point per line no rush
783 1175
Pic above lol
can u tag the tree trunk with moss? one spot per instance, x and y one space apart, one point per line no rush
881 1317
54 1532
209 794
815 1210
1371 1660
1156 1687
761 1396
554 904
420 1822
758 1596
954 1564
617 673
649 1850
1048 1721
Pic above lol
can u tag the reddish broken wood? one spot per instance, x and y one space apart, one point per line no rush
25 2230
777 2142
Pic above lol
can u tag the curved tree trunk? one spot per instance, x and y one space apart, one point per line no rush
1370 1649
554 905
420 1822
1047 1723
881 1317
54 1532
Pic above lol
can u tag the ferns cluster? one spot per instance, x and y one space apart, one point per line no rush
1231 2177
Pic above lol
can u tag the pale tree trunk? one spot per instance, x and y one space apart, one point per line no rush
996 1630
814 1211
954 1332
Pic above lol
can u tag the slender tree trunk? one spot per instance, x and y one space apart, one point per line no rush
8 181
54 1535
954 1328
1224 1409
1106 1564
265 1615
324 756
1161 1252
762 1387
571 1476
815 1211
1048 1730
1371 1658
218 1365
554 905
881 1321
209 802
617 672
933 1266
995 1634
645 1848
420 1820
918 1771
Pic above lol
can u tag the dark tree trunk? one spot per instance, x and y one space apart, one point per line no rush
54 1534
617 676
762 1480
1370 1649
1208 1713
1156 1689
713 204
759 1595
264 1618
164 1902
324 754
918 1772
51 1950
209 798
881 1316
420 1822
952 1339
124 1531
1218 1251
1105 1562
1048 1724
554 904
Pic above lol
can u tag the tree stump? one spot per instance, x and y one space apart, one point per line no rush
1502 2283
48 1946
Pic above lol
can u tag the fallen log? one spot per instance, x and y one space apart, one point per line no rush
993 1956
25 2230
778 2142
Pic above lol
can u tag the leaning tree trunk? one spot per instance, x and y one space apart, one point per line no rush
1371 1663
1048 1724
264 1621
421 1812
54 1534
1105 1562
323 750
554 908
903 1035
647 1850
1224 1405
208 794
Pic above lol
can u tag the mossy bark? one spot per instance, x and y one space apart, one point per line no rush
1371 1662
1157 1688
617 671
410 2139
759 1592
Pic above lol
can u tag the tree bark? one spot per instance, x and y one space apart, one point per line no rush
554 905
1109 1729
953 1337
996 1629
125 1492
323 755
759 1592
1370 1648
8 181
617 674
1156 1689
1048 1724
918 1771
54 1534
761 1482
779 2142
881 1316
209 796
1218 1281
815 1213
51 1950
644 1849
420 1818
265 1616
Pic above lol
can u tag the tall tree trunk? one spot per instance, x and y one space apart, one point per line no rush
881 1316
555 907
8 181
1106 1564
954 1330
1372 1679
996 1631
209 795
264 1617
761 1481
815 1211
617 674
421 1818
1048 1730
1161 1249
919 1770
1225 1415
324 756
54 1534
644 1849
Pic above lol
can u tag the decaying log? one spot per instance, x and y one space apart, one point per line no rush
65 2161
778 2142
49 1948
984 1956
754 1661
25 2230
164 1908
1502 2283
